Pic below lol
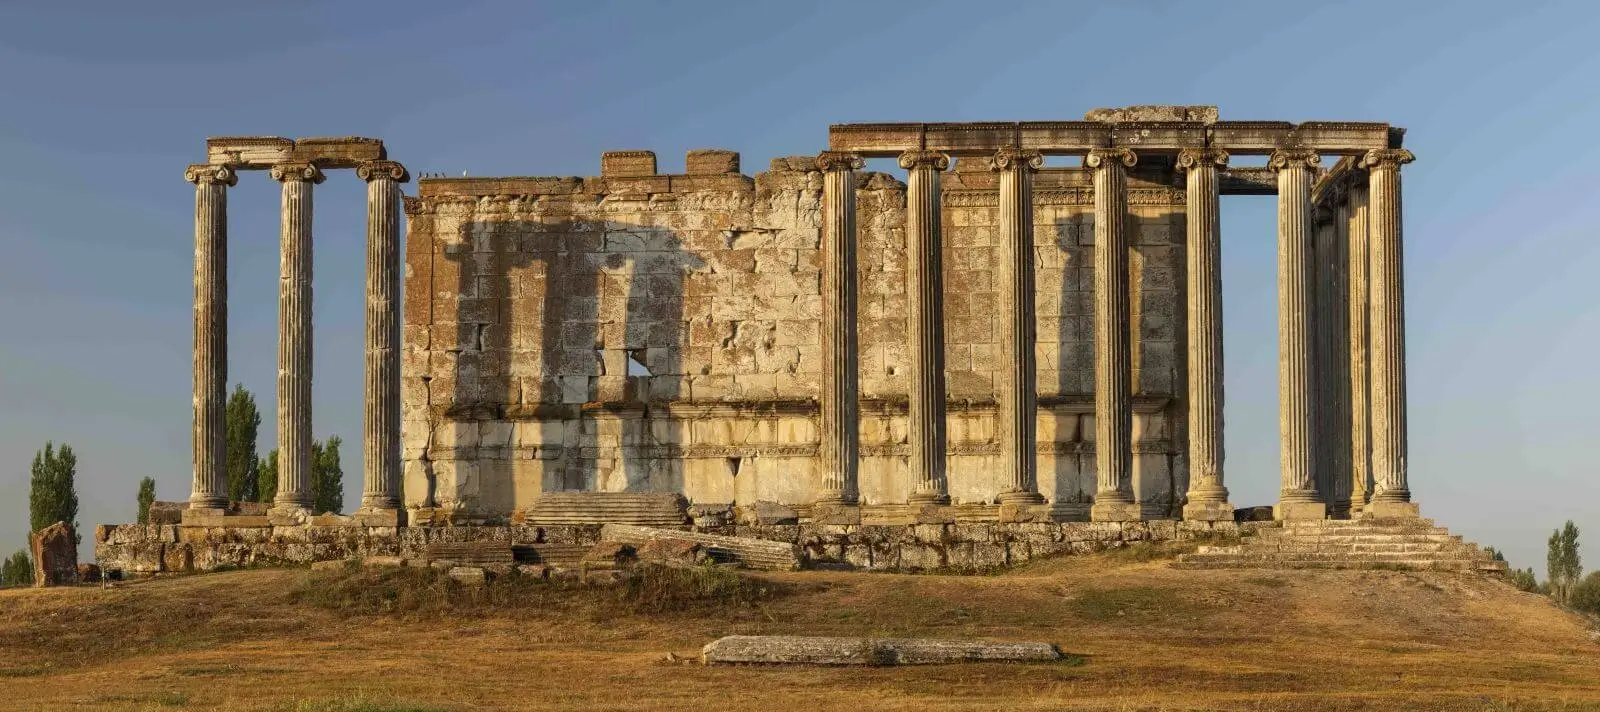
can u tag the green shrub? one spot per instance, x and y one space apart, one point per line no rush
1586 594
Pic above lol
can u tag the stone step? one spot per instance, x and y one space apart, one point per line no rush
1355 523
646 508
470 553
560 556
1352 531
751 553
1465 565
1287 557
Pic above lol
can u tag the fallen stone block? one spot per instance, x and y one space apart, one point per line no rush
469 575
673 552
55 555
808 650
383 561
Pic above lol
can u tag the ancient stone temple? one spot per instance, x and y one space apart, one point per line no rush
986 334
985 339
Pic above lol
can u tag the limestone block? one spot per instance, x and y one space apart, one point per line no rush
55 555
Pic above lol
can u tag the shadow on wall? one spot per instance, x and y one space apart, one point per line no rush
569 339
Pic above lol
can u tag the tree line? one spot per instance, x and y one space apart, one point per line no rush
53 494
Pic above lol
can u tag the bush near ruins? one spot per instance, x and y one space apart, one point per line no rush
267 477
147 494
1564 566
1586 594
53 493
244 468
327 476
17 570
1523 579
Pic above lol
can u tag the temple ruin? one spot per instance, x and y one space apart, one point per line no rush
988 341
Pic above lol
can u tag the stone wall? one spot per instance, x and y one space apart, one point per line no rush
141 550
642 332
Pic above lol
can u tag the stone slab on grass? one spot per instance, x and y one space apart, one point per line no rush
809 650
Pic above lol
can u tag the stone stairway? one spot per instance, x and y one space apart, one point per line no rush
568 557
747 552
1412 544
646 508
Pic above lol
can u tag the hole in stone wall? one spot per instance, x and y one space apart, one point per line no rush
600 360
478 335
636 365
734 463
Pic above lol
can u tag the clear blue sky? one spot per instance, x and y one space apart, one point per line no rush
102 107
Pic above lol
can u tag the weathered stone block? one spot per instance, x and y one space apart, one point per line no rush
55 555
711 161
804 650
623 164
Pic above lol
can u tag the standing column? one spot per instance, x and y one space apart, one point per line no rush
380 442
1391 495
1017 378
294 340
1298 498
1208 497
1321 352
210 490
1338 375
925 325
841 437
1358 265
1113 375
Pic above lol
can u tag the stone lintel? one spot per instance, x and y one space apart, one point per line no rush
1078 137
1247 180
262 152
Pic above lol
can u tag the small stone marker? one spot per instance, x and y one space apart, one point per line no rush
808 650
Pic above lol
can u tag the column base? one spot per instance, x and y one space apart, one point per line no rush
379 517
824 512
1299 511
1114 512
288 515
203 516
1021 497
1213 511
1384 509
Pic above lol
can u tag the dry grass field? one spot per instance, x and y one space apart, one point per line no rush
1140 636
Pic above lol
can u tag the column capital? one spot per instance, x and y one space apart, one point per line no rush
1012 157
839 161
304 172
1191 158
1387 157
1294 158
373 170
1106 157
208 173
915 159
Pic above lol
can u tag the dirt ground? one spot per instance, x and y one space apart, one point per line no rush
1139 636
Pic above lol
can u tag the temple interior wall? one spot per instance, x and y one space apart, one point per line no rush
661 333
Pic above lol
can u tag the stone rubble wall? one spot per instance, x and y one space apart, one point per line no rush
142 550
534 307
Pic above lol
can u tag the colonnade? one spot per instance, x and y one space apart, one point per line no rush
380 501
1355 388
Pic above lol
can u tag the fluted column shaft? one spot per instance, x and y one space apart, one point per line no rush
1338 375
1113 375
1359 385
1388 350
840 437
1017 422
210 489
1321 351
1298 497
925 325
1208 496
380 442
294 335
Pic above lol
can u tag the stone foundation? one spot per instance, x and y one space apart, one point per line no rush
143 550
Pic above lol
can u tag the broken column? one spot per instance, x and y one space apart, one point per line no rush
925 325
294 341
840 438
1113 376
380 444
1207 497
1016 380
1391 494
210 488
1298 497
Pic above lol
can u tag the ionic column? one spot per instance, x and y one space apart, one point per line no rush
1359 385
1298 498
1321 352
380 442
1208 497
841 436
1338 376
925 325
294 337
1016 385
210 489
1113 375
1391 495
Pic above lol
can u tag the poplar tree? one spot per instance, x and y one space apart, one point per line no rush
1563 563
53 493
243 425
147 494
